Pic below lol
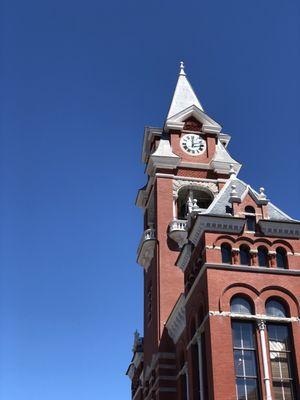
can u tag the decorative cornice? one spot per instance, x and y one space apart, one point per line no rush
177 321
280 228
180 183
212 223
184 256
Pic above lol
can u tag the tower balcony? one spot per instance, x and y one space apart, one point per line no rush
146 248
178 231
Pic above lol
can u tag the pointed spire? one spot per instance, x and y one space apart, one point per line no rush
184 95
182 71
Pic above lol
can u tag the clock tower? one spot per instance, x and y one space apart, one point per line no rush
211 247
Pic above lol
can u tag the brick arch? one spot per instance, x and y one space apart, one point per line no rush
244 240
223 239
282 243
283 294
243 289
262 242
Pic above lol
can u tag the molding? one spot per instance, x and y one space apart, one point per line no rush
284 229
253 317
184 257
194 165
212 223
255 269
180 183
176 322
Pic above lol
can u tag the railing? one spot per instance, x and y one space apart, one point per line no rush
147 236
177 225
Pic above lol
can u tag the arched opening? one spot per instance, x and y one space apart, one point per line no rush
281 351
281 258
250 218
275 308
263 257
244 350
240 305
192 198
226 253
245 258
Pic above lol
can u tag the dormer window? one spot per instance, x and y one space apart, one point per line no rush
192 199
250 219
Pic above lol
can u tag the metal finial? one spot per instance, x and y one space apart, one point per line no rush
182 72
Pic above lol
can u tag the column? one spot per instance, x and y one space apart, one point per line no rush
262 327
235 256
253 254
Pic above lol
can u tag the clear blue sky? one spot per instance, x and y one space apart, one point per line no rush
79 80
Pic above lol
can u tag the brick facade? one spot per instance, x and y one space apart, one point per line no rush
237 247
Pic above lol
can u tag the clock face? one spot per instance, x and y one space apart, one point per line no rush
193 144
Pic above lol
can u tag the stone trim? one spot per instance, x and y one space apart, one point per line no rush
180 183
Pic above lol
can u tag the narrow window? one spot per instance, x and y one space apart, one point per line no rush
281 258
226 253
250 218
263 260
281 362
245 255
245 360
280 348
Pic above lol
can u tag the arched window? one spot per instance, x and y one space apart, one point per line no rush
226 253
244 350
239 305
245 258
280 351
250 218
281 258
263 260
275 308
192 198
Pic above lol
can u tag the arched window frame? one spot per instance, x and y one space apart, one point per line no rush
263 257
281 351
226 253
245 350
281 258
186 196
245 257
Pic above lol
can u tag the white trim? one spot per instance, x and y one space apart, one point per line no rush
262 326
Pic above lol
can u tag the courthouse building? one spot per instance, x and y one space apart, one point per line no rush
221 271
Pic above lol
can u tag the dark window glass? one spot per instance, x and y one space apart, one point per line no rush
250 223
263 260
226 253
281 362
245 255
250 218
239 305
184 386
281 259
245 363
275 309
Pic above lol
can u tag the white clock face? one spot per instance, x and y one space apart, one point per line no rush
193 144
